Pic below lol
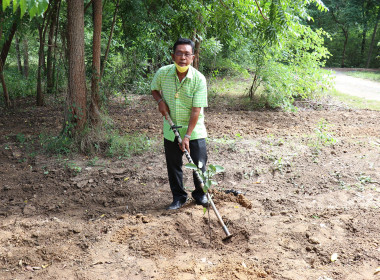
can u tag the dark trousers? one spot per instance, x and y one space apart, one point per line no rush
174 164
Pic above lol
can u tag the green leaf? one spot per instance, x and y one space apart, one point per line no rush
42 6
15 6
33 11
207 186
212 168
191 166
6 4
22 7
204 210
219 168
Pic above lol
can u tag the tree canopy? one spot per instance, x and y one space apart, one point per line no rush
280 44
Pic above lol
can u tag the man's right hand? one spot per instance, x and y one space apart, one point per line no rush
163 108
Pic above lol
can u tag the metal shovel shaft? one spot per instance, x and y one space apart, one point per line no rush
225 229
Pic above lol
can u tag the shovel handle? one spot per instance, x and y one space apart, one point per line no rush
172 125
225 229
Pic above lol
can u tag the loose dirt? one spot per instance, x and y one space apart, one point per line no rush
301 200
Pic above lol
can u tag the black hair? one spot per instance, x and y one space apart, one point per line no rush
184 41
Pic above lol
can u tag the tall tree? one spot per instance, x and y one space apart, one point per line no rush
76 110
25 50
18 55
51 46
96 50
103 63
41 59
373 38
4 55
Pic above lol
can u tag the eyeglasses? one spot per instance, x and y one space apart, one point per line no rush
187 55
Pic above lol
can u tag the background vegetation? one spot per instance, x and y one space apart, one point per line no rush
281 46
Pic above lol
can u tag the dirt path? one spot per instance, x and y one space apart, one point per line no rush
357 87
304 200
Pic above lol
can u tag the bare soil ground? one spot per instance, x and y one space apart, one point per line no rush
302 201
356 86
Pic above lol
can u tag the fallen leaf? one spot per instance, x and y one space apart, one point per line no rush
236 206
126 178
44 266
334 257
377 271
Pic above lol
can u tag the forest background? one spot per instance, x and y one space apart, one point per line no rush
82 53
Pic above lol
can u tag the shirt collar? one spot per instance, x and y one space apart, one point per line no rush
190 73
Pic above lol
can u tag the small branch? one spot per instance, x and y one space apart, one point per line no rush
87 6
109 41
261 12
224 5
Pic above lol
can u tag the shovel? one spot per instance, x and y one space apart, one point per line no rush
174 128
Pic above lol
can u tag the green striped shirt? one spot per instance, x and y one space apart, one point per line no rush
181 97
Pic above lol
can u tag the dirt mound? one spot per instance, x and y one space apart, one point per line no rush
298 202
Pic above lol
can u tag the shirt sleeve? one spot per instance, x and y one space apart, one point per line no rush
156 82
200 93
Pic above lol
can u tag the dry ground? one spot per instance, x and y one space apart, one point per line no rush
81 218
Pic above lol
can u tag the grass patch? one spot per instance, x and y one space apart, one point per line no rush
354 101
373 76
232 93
128 145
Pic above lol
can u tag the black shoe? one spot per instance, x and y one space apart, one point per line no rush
201 200
176 204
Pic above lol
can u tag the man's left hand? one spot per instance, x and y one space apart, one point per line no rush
185 144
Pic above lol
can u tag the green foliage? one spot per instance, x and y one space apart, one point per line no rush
58 145
73 167
34 7
293 69
21 138
207 176
354 102
18 85
323 137
351 18
373 76
127 145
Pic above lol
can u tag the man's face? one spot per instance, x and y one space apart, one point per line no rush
183 55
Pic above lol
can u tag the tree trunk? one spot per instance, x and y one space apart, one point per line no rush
5 90
109 41
51 48
2 80
7 44
373 40
365 15
196 52
345 32
18 55
3 58
55 73
40 95
26 57
96 50
76 111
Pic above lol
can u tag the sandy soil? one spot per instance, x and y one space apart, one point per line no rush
355 86
302 200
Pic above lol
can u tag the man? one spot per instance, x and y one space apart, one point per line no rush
181 91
